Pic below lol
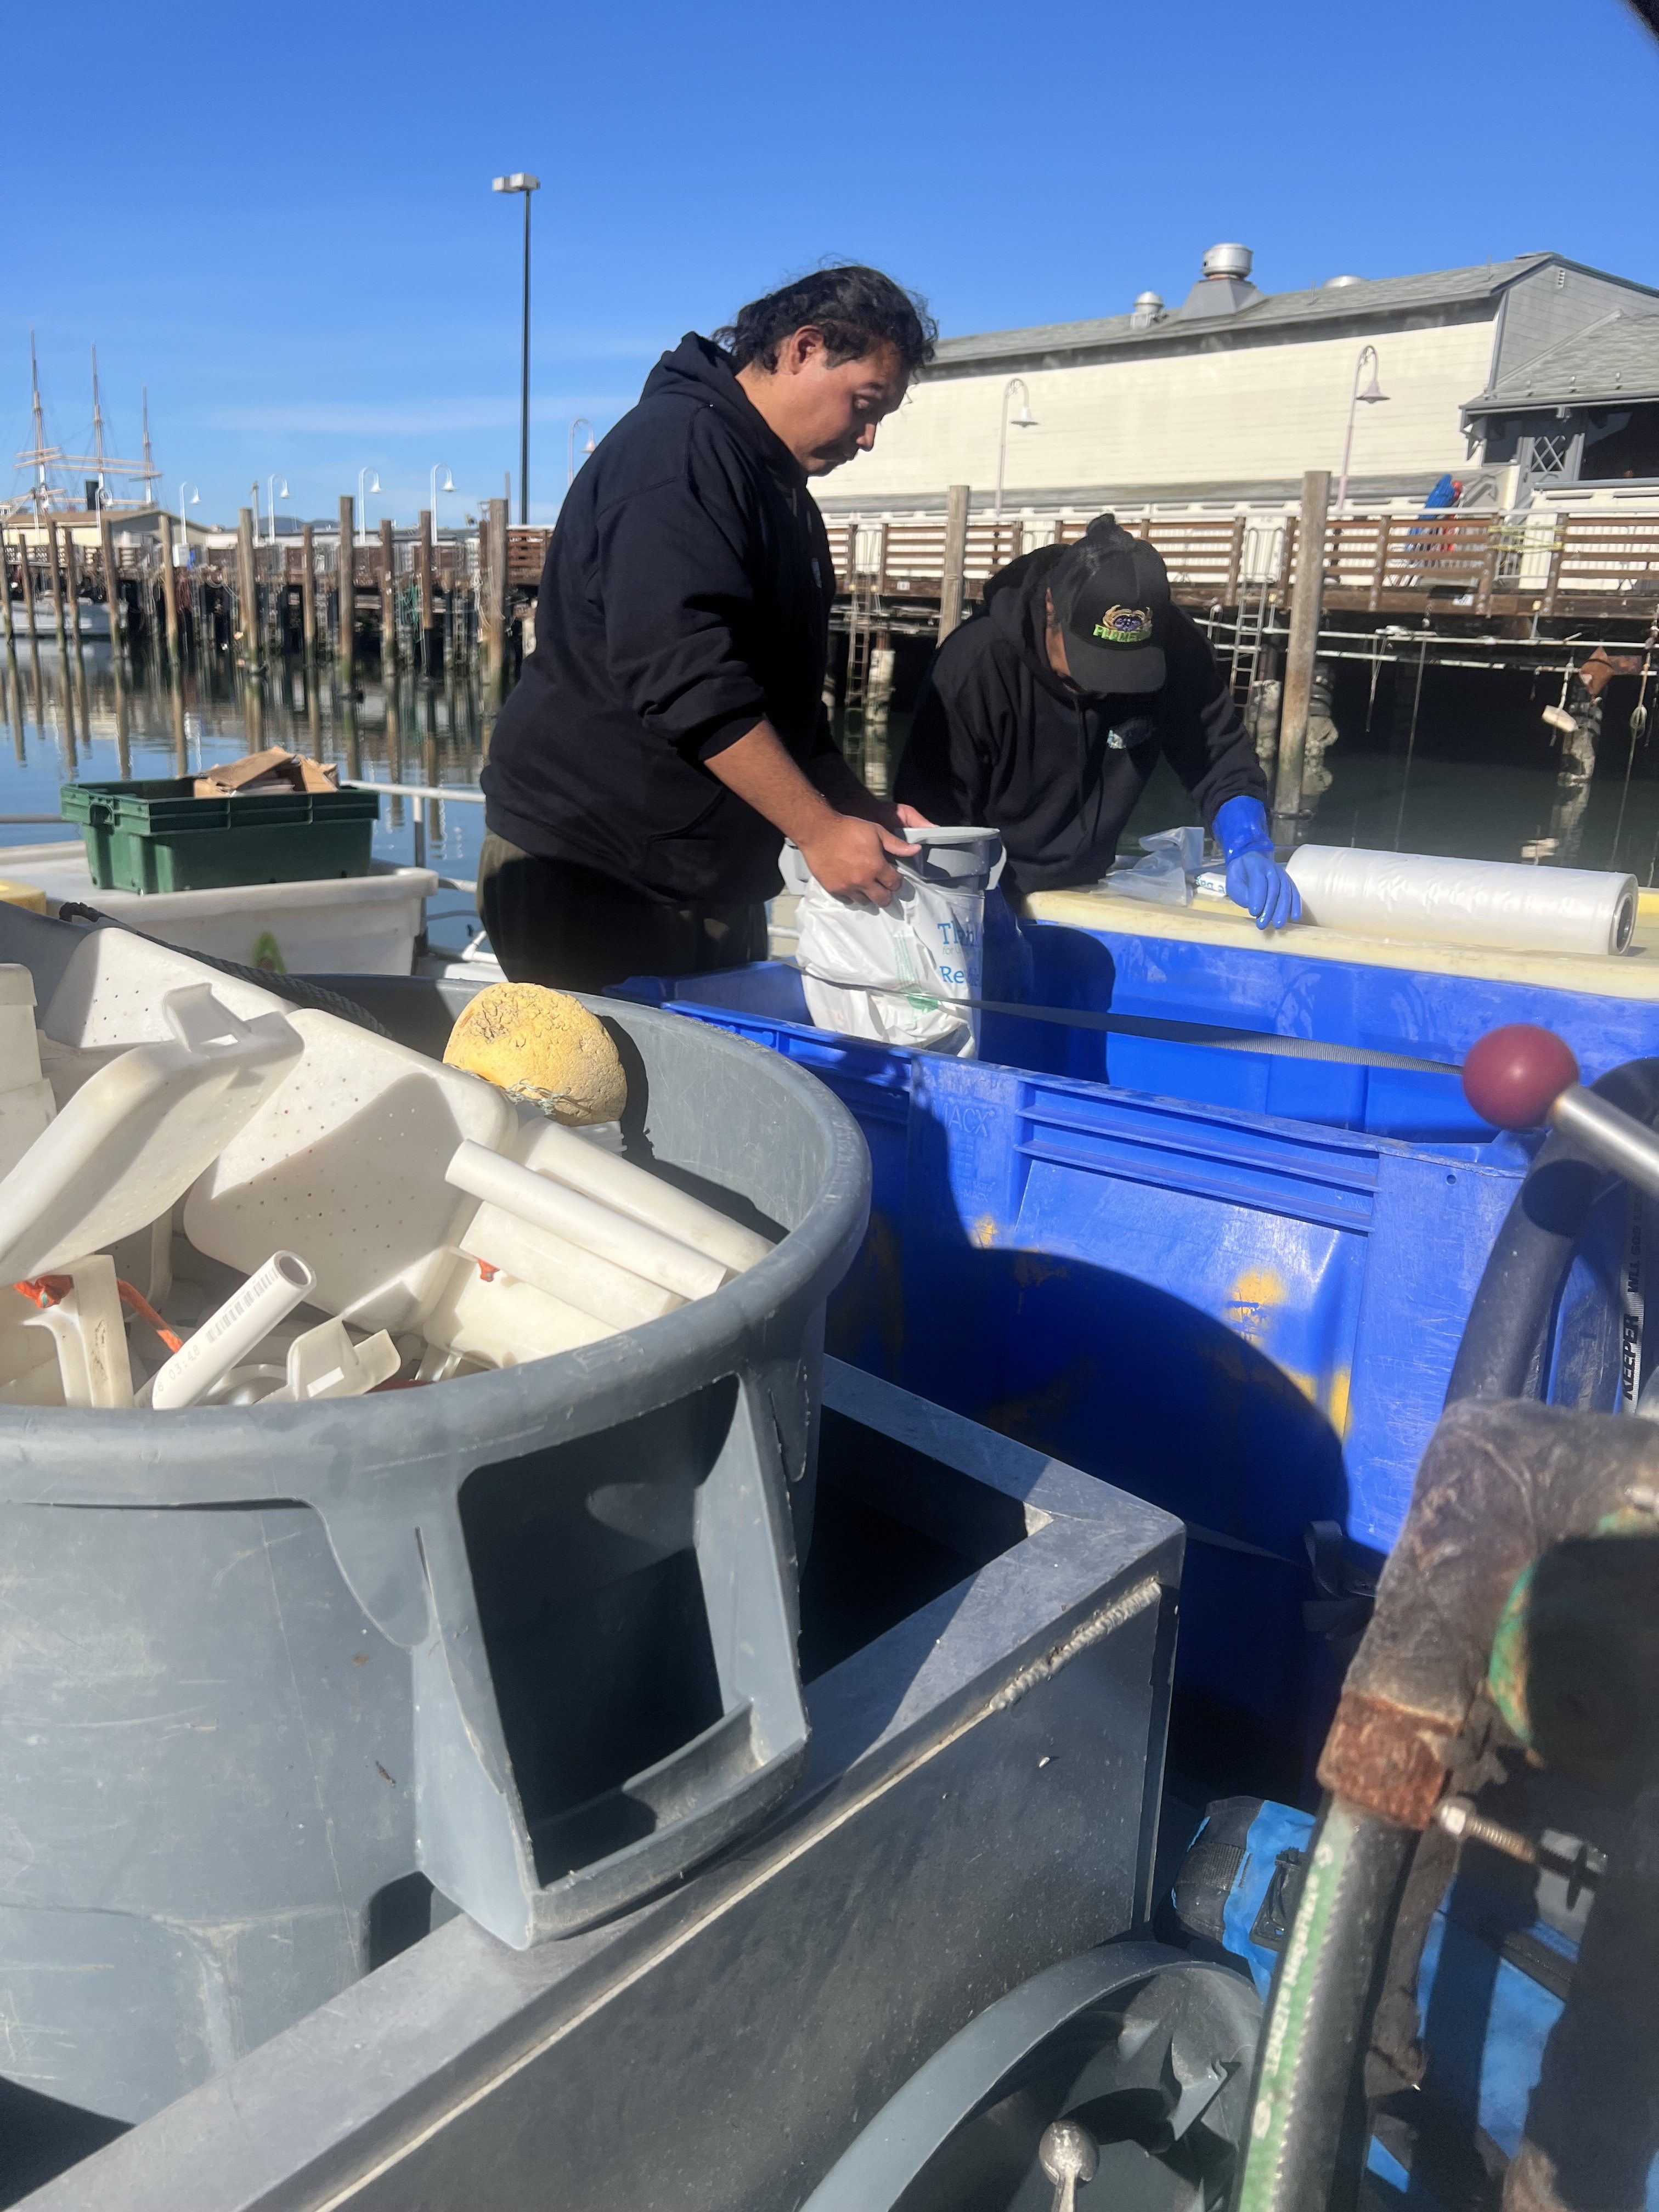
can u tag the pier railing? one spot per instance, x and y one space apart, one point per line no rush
432 599
1492 563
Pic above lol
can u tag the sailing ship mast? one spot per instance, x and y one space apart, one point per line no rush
49 461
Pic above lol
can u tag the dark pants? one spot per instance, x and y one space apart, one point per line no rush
550 921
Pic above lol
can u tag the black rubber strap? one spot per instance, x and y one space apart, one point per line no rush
1150 1026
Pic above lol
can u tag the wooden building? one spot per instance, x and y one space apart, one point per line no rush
1223 401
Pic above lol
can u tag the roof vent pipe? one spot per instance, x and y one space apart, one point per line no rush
1228 261
1148 310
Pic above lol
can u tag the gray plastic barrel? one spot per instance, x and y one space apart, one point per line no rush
527 1637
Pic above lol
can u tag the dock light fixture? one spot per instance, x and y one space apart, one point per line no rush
271 497
448 484
1023 421
363 497
195 500
581 423
1368 397
520 182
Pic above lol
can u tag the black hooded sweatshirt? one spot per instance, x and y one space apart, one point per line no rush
685 597
999 739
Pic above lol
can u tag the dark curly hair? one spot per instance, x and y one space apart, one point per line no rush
856 309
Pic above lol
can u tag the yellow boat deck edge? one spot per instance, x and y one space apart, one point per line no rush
1213 922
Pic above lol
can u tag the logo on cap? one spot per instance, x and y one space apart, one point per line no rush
1125 626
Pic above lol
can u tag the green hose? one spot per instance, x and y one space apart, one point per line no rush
1322 2001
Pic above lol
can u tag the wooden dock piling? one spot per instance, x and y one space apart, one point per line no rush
5 594
169 592
29 591
346 592
111 588
493 595
72 587
1307 599
388 595
247 592
955 560
423 594
56 581
308 598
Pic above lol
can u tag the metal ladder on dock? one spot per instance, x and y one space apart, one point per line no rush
1259 569
860 633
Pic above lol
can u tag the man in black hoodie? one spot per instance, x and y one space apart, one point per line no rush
669 731
1044 716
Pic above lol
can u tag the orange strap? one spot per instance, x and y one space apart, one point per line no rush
51 1290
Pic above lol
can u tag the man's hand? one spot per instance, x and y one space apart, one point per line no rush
828 817
910 818
850 858
1265 890
1256 879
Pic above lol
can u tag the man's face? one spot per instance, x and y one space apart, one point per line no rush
825 412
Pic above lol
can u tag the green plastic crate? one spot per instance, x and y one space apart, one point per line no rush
158 836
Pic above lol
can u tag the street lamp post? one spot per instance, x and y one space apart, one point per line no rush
520 182
271 497
1023 421
448 485
195 500
1370 397
581 423
363 498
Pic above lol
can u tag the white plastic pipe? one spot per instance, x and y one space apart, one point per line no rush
574 1161
227 1337
597 1228
563 1270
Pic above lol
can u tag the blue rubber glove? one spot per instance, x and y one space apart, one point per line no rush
1254 879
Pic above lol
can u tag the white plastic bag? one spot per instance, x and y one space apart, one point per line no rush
1172 856
894 973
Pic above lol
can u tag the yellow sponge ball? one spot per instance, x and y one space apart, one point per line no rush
543 1047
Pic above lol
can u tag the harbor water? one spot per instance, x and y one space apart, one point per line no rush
1464 789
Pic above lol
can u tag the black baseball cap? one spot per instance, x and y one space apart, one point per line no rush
1111 598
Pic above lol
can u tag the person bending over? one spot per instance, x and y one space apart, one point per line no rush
668 732
1043 717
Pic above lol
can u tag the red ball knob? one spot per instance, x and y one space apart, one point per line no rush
1513 1076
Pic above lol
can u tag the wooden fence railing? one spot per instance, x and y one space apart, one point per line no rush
1591 563
1476 564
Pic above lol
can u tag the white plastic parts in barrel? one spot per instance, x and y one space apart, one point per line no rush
526 1636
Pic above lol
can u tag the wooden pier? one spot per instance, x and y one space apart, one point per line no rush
1533 577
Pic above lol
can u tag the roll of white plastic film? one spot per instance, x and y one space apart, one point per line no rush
1504 905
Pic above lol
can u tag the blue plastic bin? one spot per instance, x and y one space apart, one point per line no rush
1232 1284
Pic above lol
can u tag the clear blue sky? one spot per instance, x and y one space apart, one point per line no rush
281 220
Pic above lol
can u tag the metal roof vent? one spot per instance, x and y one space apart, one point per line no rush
1336 284
1148 310
1228 261
1226 285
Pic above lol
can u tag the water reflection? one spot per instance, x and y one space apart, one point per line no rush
100 720
110 721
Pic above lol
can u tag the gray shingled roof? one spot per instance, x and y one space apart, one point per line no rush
1382 295
1616 358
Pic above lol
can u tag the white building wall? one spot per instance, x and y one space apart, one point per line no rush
1243 414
